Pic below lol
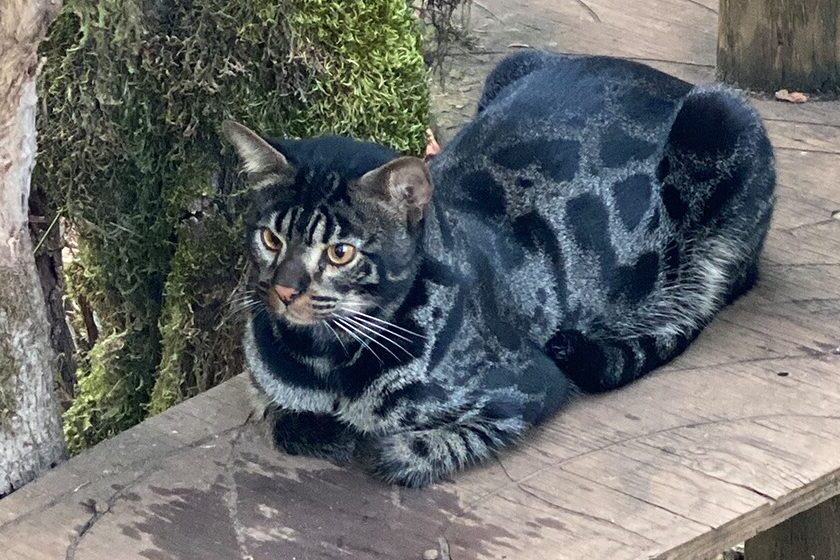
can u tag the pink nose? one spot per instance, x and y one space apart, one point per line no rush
285 293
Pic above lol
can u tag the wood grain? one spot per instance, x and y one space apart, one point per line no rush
768 45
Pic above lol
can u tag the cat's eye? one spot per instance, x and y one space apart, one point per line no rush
340 254
271 241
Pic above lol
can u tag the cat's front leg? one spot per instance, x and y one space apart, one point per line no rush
420 457
313 434
466 427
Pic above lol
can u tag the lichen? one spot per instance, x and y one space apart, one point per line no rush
8 377
134 91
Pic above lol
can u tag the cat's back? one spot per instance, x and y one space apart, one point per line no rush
540 82
567 117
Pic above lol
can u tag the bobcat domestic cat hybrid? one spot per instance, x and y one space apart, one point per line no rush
584 227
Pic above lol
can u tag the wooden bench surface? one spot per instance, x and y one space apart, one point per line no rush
738 434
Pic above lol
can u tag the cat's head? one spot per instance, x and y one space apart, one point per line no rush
335 225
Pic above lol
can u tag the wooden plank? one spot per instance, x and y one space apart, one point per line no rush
655 30
811 535
821 112
795 136
623 494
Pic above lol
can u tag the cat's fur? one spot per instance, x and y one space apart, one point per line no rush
585 226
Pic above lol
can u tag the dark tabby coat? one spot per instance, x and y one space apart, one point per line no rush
586 225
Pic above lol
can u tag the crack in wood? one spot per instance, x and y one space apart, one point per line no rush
148 468
231 498
708 474
487 10
808 150
801 123
815 355
70 553
589 516
592 13
691 425
762 334
701 5
477 53
640 499
504 468
97 513
805 301
445 552
809 224
797 265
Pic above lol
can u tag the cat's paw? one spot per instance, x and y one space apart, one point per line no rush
401 459
312 435
340 452
566 346
580 358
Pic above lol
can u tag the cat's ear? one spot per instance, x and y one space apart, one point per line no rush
403 184
261 162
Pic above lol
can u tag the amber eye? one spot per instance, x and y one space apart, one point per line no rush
341 253
271 241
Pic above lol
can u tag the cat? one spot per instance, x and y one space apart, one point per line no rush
584 227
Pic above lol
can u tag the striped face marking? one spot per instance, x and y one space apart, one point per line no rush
312 265
338 226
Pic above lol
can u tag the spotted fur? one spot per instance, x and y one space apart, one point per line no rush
586 225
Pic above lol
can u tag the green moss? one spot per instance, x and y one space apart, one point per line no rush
134 92
372 53
201 338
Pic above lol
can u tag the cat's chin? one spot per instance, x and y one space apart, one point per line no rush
292 317
297 321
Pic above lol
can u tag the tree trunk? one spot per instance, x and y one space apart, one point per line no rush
768 45
31 439
44 229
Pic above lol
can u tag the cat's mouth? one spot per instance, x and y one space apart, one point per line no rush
303 310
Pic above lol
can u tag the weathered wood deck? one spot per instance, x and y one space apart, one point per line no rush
740 433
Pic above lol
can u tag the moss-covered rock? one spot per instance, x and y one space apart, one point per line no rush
134 91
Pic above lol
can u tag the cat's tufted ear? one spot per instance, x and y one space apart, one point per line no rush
261 162
403 185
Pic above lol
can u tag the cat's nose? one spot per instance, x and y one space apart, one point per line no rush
285 293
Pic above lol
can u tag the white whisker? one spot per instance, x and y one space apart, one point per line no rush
380 335
241 309
384 322
377 326
369 337
338 338
354 335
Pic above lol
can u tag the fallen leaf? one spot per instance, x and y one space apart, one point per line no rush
791 96
432 146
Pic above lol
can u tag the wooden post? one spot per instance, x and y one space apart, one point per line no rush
768 45
812 535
